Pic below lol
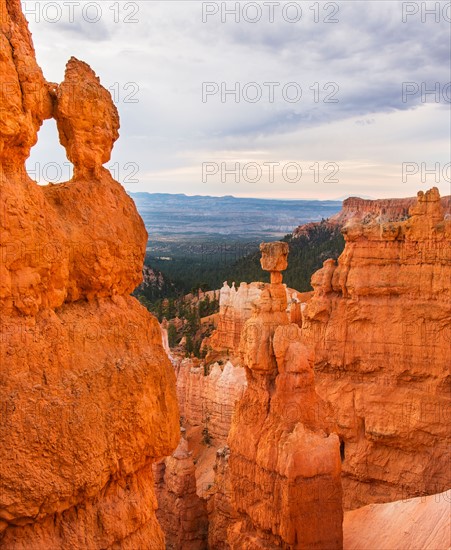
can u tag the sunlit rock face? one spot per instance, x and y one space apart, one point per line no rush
380 327
87 392
283 468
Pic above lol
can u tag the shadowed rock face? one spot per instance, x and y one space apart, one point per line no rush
283 469
86 389
380 325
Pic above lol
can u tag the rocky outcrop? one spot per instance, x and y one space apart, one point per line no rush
181 512
359 209
208 398
86 389
26 97
154 286
421 522
307 229
380 327
284 468
87 120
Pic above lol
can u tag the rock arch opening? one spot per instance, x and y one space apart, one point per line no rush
48 162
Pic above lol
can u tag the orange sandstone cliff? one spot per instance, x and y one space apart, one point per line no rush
87 392
382 316
380 327
355 209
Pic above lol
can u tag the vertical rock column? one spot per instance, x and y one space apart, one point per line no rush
284 469
182 513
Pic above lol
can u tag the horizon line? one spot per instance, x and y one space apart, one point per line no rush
337 199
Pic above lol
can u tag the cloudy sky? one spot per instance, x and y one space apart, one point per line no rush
319 109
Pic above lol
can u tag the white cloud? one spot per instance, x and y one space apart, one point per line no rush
163 59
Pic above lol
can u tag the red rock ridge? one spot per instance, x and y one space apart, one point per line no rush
386 210
86 389
356 209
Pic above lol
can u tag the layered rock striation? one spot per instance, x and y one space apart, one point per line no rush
379 323
357 210
86 389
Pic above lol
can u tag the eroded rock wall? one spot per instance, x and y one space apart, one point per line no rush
235 309
207 397
87 392
380 326
380 210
